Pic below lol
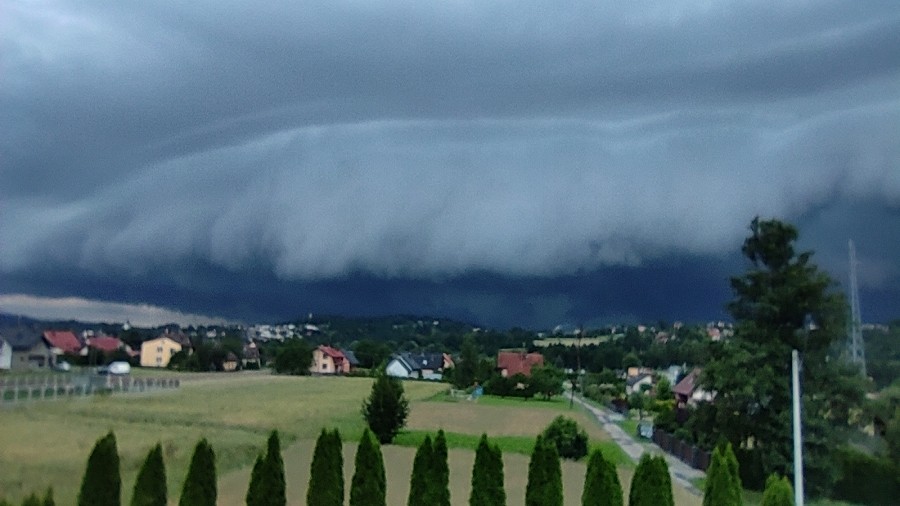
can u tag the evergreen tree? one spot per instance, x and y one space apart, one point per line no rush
544 486
102 483
778 492
774 303
150 487
439 490
651 484
326 476
254 493
369 485
419 481
723 482
273 487
487 476
200 484
48 498
601 483
386 408
32 500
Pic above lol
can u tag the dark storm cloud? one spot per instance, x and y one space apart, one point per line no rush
424 142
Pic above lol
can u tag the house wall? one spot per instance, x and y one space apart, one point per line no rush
322 363
158 352
36 357
396 369
5 355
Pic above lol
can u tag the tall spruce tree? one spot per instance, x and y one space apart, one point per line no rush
601 483
774 303
326 476
420 479
102 482
48 498
439 491
32 500
150 487
487 476
544 486
386 408
778 492
255 497
200 484
368 487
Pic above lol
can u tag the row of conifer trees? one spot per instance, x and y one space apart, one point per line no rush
429 482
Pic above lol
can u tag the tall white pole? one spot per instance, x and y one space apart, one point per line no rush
798 438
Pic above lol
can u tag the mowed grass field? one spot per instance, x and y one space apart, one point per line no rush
48 443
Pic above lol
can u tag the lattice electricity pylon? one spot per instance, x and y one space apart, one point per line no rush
855 346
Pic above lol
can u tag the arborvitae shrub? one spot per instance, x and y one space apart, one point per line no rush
601 483
544 486
487 476
102 483
326 476
651 485
778 492
368 486
439 490
150 487
200 484
419 480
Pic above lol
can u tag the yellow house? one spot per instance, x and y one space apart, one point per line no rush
157 352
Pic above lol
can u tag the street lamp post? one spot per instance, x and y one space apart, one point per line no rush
798 438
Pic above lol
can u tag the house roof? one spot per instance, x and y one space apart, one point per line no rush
251 352
334 353
634 380
179 337
516 362
23 339
65 340
351 357
419 361
105 343
688 384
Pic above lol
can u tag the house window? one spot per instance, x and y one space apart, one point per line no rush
324 366
159 349
158 360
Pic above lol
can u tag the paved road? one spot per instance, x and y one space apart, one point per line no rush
681 472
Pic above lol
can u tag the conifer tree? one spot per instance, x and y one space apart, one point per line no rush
48 498
487 476
32 500
102 483
544 486
439 490
326 476
723 483
779 492
419 481
601 483
368 486
254 495
150 487
273 487
386 408
651 485
200 484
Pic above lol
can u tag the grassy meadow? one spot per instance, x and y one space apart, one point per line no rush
47 443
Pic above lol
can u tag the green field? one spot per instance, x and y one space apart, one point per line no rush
47 443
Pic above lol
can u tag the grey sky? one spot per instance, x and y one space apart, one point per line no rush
435 142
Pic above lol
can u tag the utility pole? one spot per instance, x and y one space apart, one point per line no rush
576 377
798 437
855 344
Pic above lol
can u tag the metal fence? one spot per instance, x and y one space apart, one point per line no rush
60 386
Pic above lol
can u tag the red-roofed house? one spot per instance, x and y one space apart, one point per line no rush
688 391
105 344
511 363
328 360
63 342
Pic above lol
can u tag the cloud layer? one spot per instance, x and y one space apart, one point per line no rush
423 141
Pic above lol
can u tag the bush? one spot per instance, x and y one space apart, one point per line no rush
778 492
867 480
570 439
